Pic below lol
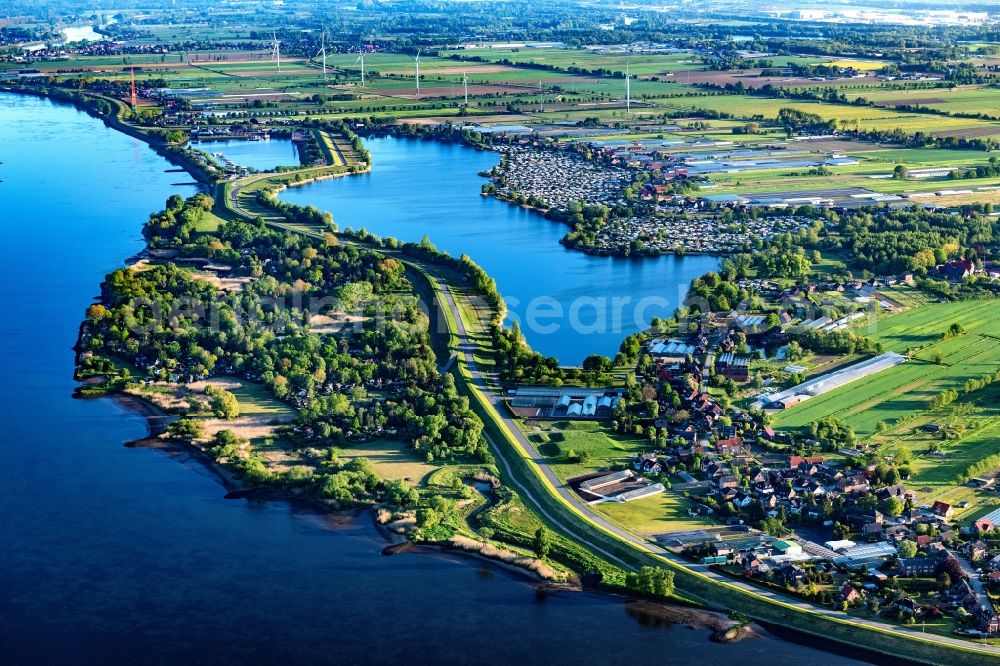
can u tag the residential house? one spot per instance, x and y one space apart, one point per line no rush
730 447
849 593
897 490
742 500
727 481
908 607
872 531
942 509
898 533
977 550
988 522
753 566
784 492
921 567
994 563
856 483
648 463
957 269
857 518
790 574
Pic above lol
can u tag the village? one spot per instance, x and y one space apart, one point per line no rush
657 220
838 527
818 515
686 234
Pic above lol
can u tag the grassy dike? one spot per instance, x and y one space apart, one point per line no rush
524 474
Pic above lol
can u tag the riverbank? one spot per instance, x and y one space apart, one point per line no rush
527 569
157 421
724 629
170 152
128 554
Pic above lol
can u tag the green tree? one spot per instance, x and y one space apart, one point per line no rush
427 517
224 404
892 507
597 363
542 543
186 428
399 493
907 548
655 581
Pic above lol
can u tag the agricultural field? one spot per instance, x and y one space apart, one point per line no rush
595 442
657 514
898 394
565 58
970 430
959 99
847 116
942 441
873 171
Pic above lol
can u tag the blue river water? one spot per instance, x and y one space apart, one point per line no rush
569 304
117 555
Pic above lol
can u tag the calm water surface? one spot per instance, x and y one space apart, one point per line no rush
81 33
569 304
118 555
260 155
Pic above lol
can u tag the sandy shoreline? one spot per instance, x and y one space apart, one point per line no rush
157 421
724 629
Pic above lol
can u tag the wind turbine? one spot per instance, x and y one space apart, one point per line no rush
361 59
416 61
465 86
628 91
276 49
322 51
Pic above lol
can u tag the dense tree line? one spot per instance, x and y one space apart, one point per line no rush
898 240
713 293
174 326
837 342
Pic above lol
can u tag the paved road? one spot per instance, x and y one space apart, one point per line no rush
975 582
466 347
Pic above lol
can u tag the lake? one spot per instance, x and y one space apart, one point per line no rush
120 555
260 155
569 304
81 33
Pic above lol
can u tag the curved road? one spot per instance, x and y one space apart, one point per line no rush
466 348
